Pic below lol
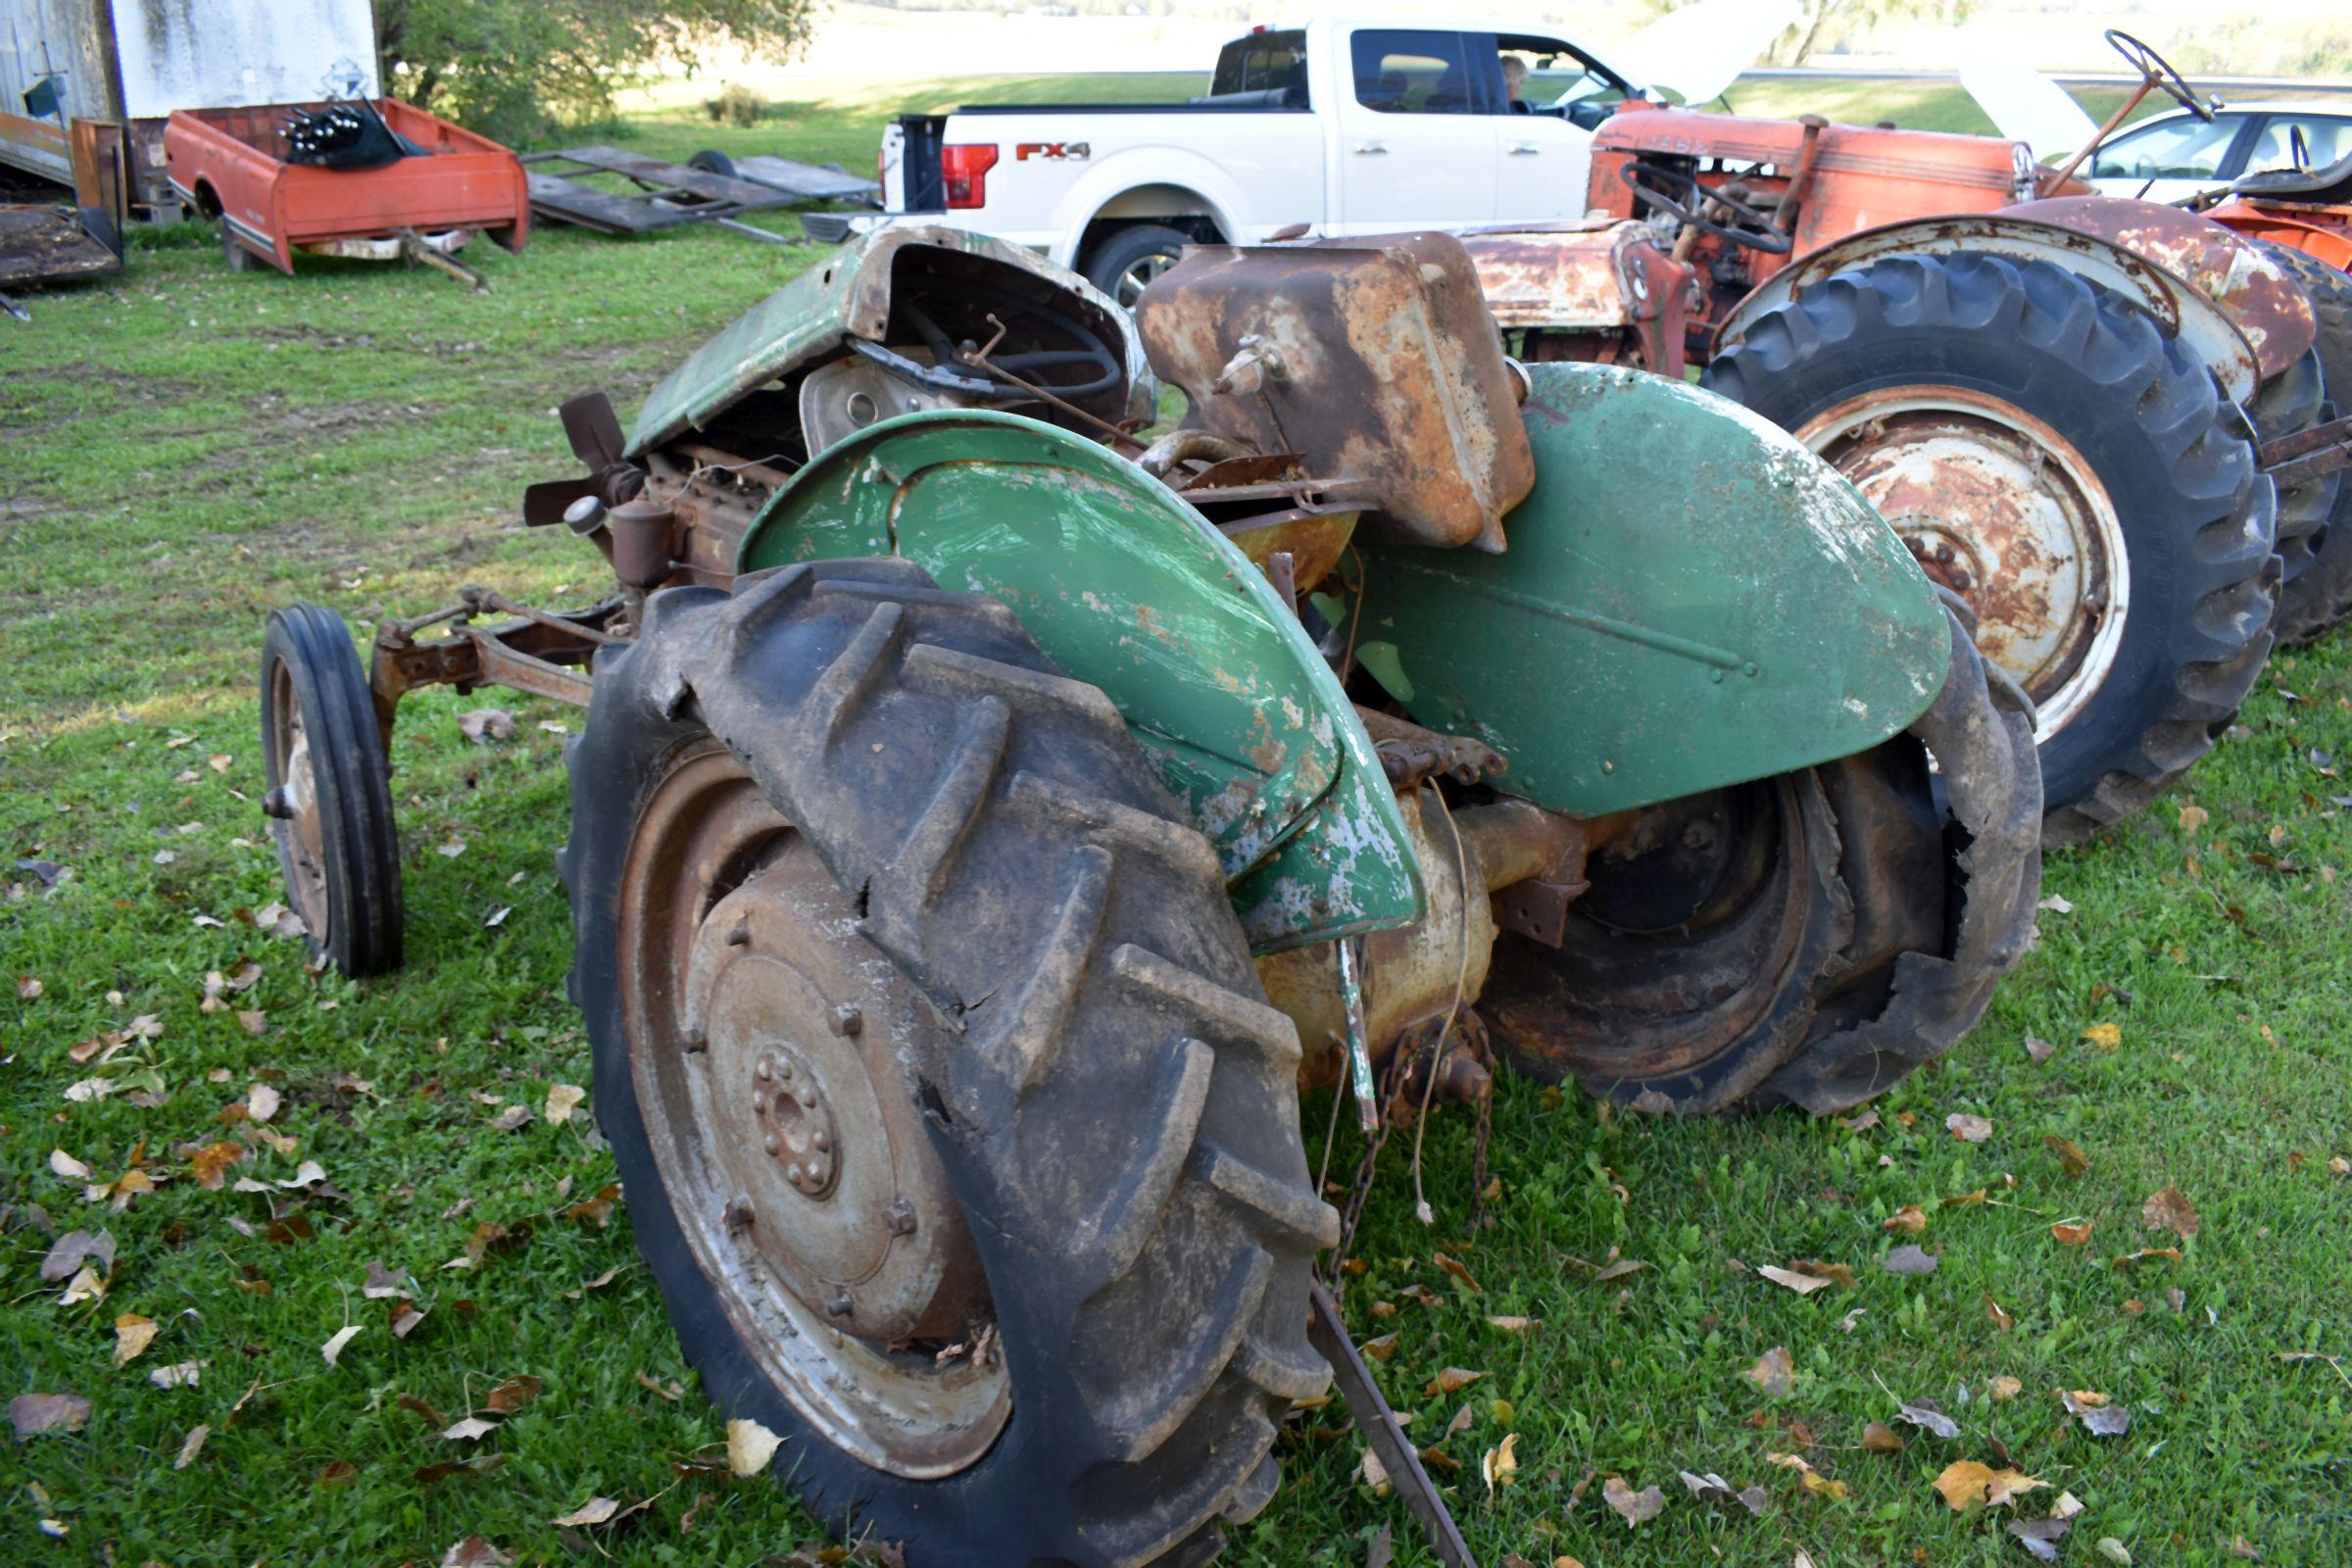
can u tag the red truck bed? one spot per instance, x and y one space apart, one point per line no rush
229 164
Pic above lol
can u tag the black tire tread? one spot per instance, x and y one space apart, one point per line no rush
2318 599
1155 1388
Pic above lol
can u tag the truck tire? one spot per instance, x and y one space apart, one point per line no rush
1123 263
712 160
2091 448
853 843
2317 600
329 792
1855 929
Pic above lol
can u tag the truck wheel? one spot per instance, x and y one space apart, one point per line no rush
2048 454
330 797
957 1132
1122 264
2318 599
1807 940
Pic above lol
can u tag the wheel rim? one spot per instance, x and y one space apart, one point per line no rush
1137 274
764 1040
1694 927
298 825
2001 509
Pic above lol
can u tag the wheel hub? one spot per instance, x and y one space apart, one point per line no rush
1999 507
292 804
769 1045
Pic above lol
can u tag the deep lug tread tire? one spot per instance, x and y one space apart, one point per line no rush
360 838
2318 599
1118 1114
2176 458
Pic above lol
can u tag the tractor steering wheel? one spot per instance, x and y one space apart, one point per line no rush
1755 231
2158 72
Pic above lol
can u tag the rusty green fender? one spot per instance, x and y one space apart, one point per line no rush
1688 599
1130 589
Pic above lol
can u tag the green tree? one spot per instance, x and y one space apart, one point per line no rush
513 69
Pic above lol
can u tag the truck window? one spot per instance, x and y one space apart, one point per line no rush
1556 79
1401 71
1262 63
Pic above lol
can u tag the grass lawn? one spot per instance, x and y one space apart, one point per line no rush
182 449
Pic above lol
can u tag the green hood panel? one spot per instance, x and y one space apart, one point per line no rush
847 294
1688 599
1130 589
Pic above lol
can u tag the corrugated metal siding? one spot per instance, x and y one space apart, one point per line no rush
67 37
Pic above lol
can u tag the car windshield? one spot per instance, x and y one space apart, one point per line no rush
2187 148
2319 140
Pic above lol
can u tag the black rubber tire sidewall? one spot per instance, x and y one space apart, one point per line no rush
710 161
1114 255
1971 338
360 838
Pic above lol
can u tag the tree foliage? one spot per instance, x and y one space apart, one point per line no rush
513 69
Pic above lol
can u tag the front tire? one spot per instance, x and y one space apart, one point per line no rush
838 792
2065 467
329 796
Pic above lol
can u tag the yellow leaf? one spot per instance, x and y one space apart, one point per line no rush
2105 1036
1450 1380
1910 1220
1815 1481
2072 1235
2193 817
132 1335
750 1447
1963 1484
1501 1466
562 1101
2004 1387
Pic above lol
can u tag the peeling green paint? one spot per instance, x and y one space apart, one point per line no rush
1128 588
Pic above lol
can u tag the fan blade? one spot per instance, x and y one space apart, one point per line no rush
593 430
543 504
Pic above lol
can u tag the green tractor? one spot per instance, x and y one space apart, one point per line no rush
986 820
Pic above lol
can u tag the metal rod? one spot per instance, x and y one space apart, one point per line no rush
2147 84
1359 1046
1328 1334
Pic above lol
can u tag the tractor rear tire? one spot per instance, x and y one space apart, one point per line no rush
1891 902
1031 955
329 792
2103 455
2318 599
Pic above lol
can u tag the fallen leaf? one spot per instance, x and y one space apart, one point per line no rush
474 1552
254 1023
211 1163
1967 1199
671 1391
65 1165
1908 1259
2056 905
451 848
1862 1123
2070 1153
1928 1418
513 1118
1633 1507
1515 1325
2146 1252
2072 1235
1879 1437
32 1414
1968 1129
1774 1372
470 1430
179 1375
404 1319
2114 1550
1802 1284
74 1249
2041 1536
562 1101
1910 1220
333 1348
132 1335
261 1102
498 916
1501 1466
337 1472
1619 1268
191 1445
1372 1473
1996 1316
2038 1049
2004 1387
2105 1036
483 725
1380 1350
512 1394
1449 1381
384 1284
595 1511
2098 1417
2191 818
750 1447
84 1286
1461 1422
2168 1211
1455 1268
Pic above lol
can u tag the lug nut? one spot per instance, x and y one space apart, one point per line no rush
902 1216
770 1143
824 1141
840 1305
740 1215
848 1019
766 1069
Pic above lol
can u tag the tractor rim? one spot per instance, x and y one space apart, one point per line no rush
2001 509
301 831
1137 276
765 1038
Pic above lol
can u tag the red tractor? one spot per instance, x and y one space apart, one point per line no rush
2103 422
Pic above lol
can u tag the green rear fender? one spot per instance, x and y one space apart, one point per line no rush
1130 589
1688 599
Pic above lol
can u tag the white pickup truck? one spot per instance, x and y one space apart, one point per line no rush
1345 128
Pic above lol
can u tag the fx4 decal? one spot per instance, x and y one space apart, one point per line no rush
1027 150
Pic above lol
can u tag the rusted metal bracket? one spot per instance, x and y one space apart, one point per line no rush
2308 455
1328 1334
536 652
